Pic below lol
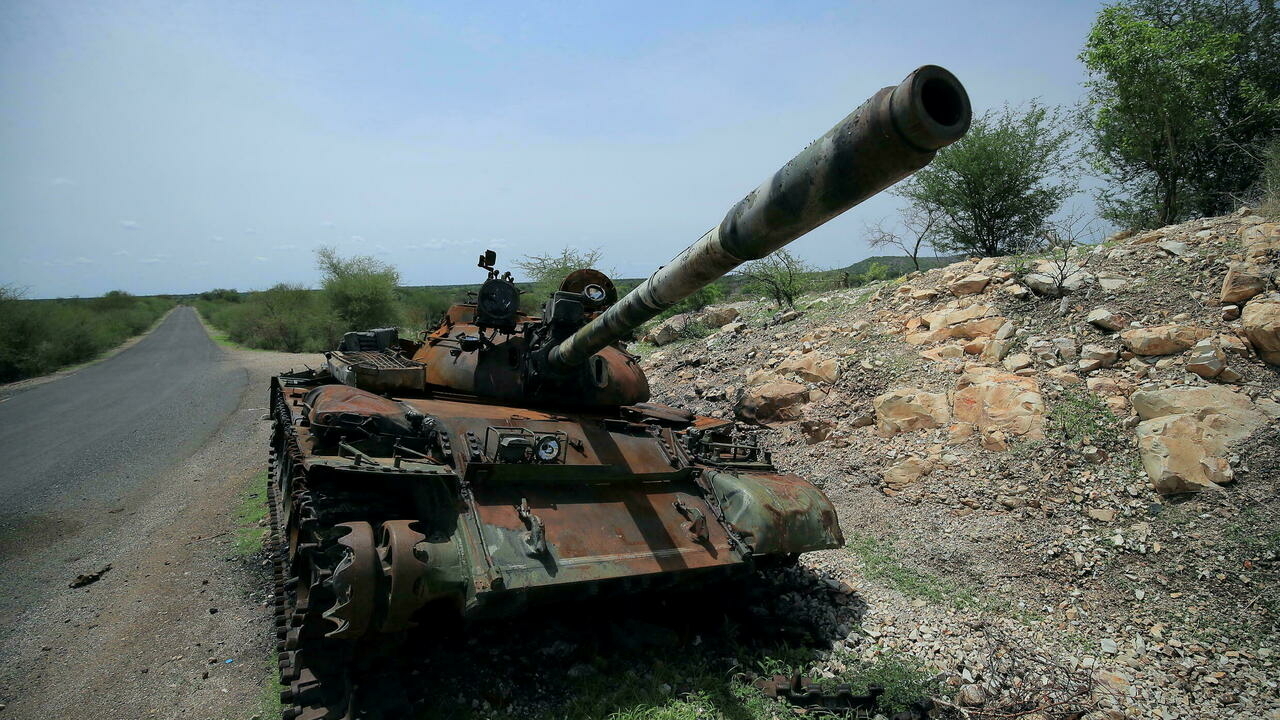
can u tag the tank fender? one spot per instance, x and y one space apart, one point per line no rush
777 514
339 405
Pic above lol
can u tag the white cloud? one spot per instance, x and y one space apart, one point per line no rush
82 260
119 253
259 258
130 224
61 181
215 238
357 238
151 260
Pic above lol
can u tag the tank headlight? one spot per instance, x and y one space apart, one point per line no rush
548 449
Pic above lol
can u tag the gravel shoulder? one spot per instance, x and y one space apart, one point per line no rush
178 626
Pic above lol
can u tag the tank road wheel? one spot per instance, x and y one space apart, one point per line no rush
404 572
354 582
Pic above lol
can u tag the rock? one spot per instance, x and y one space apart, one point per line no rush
717 317
1016 362
906 409
774 400
1066 348
1185 431
996 349
812 367
1112 283
1173 247
1260 241
1207 359
1261 323
904 472
1057 278
669 330
943 352
1094 357
1103 386
1101 514
1063 374
733 327
1043 352
1230 312
995 401
1108 646
969 284
1162 339
815 431
971 695
1107 319
1241 283
787 317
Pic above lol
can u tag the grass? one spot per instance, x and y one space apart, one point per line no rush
269 702
42 336
1080 417
251 511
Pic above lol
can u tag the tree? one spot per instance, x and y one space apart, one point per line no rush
360 290
549 270
781 277
997 185
1181 96
918 224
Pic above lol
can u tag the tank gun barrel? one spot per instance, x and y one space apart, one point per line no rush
894 133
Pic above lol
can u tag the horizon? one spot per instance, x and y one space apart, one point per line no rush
172 150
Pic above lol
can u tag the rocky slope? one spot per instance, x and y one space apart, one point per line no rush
1058 476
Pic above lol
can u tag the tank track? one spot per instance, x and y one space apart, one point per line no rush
323 677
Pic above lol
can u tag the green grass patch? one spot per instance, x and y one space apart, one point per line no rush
1080 417
249 515
269 702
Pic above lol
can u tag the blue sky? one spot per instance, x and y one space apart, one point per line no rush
176 147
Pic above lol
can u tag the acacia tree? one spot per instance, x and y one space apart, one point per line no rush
782 277
997 185
917 233
361 290
1181 96
547 271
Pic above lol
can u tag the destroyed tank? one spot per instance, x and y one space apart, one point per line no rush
506 459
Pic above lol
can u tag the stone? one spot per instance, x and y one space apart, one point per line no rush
787 317
813 367
1230 312
1162 339
1057 278
1173 247
1066 348
717 317
1107 319
1261 324
1016 362
774 400
1095 455
1260 241
1094 357
1043 352
815 431
1241 283
907 409
971 695
733 328
995 401
943 352
904 472
1101 514
1207 359
1062 374
669 330
947 317
1103 386
1185 431
969 284
1110 283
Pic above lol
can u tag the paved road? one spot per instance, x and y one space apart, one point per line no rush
78 453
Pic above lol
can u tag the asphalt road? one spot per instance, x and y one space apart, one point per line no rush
77 453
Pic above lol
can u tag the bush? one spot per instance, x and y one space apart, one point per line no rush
41 336
285 317
360 290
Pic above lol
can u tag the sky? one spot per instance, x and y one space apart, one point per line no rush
175 147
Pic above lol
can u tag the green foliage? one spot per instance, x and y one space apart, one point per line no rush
285 317
998 185
876 272
781 277
220 295
360 290
1180 96
41 336
249 531
708 295
1080 417
546 272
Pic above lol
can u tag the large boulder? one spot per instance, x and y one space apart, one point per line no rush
1261 322
1162 339
773 400
813 367
716 317
1261 241
906 409
969 284
1000 402
669 330
1241 283
1185 431
904 472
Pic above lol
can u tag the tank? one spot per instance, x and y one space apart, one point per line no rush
504 460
